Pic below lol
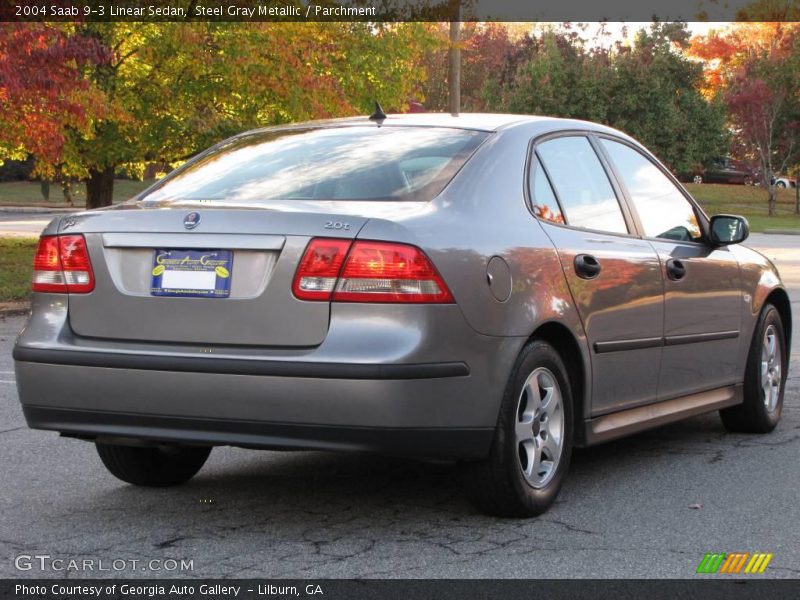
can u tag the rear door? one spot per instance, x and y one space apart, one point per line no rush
703 298
614 277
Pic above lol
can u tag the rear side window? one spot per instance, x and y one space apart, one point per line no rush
581 184
543 200
663 210
339 163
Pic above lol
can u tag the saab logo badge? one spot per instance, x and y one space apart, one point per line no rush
191 220
734 562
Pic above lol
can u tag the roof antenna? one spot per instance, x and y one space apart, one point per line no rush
378 116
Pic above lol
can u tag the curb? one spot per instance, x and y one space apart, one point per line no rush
11 309
782 231
37 209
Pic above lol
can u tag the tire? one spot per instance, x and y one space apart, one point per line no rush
697 179
153 467
764 378
781 184
747 181
498 484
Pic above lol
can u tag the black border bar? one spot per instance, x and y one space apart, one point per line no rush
393 10
701 587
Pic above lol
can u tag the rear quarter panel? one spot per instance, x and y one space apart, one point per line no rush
481 215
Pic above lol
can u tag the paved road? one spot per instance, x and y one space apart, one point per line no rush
625 510
23 224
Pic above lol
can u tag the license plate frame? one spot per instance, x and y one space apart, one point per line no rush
191 273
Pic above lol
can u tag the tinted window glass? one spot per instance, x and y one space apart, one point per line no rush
341 163
543 200
582 186
663 210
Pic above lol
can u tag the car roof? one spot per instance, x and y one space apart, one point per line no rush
489 122
478 121
475 121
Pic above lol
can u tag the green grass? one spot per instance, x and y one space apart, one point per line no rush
16 261
748 201
28 193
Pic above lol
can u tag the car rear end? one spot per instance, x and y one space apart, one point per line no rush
238 302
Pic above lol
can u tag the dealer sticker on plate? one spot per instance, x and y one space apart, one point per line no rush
192 273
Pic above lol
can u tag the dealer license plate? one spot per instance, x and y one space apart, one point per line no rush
192 273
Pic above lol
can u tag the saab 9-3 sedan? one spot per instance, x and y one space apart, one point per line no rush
493 290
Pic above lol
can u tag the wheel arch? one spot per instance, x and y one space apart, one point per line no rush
568 347
780 300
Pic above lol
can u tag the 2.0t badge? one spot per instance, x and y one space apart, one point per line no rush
191 220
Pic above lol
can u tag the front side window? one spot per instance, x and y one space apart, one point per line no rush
663 210
581 184
325 163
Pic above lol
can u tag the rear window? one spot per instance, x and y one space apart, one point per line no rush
341 163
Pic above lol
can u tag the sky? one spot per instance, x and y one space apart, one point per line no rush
622 30
616 28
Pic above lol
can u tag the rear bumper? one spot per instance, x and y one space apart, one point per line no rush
384 382
122 427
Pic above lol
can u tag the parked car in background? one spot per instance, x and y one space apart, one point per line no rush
493 290
783 181
723 169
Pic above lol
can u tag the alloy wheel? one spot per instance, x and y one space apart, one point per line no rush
771 368
539 428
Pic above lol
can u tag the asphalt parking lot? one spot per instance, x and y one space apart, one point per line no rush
648 506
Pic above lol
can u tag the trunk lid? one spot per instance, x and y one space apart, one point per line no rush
266 247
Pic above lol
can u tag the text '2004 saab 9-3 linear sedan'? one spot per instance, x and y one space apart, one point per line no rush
490 289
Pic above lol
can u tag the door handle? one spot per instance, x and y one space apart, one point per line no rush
676 270
587 266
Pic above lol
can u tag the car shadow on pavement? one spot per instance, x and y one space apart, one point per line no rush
270 485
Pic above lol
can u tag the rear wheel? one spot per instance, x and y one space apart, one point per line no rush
532 447
764 380
153 467
781 184
697 179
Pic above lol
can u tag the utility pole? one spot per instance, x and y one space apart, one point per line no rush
454 65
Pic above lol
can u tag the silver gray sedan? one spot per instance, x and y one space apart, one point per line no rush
490 289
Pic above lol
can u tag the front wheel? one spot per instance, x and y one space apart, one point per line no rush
764 379
781 184
697 179
153 467
532 446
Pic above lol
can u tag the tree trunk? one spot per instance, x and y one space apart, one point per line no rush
100 188
454 66
797 194
773 198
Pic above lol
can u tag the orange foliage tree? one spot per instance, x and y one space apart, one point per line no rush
753 68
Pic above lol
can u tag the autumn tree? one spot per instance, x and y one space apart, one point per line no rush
753 68
648 89
43 93
163 91
484 47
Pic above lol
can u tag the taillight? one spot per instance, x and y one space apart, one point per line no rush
372 272
316 276
62 265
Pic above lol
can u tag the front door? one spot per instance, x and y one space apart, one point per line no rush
703 298
614 277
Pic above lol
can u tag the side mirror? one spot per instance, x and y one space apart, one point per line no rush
728 229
